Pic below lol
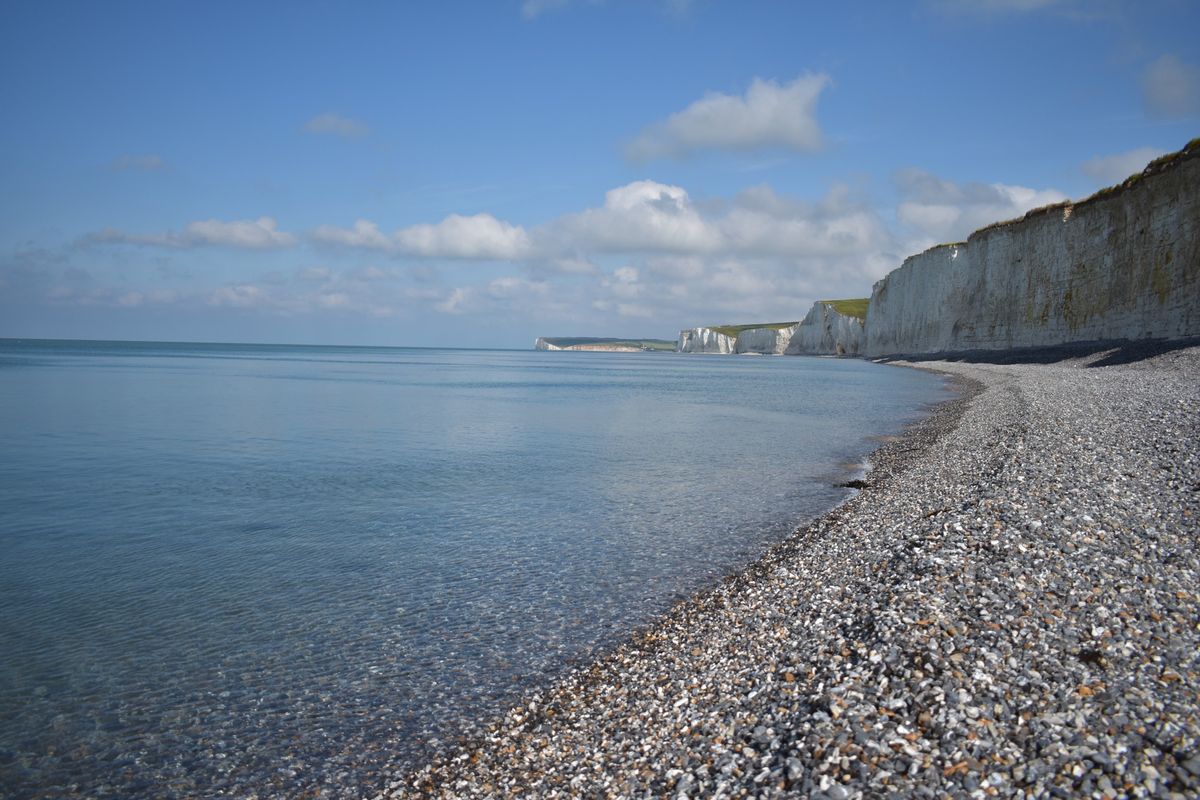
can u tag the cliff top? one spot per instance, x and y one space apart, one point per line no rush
733 330
856 307
1156 167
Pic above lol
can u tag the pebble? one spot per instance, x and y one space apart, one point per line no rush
1008 609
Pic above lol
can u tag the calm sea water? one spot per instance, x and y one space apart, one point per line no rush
276 570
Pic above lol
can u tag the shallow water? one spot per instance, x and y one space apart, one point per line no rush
279 569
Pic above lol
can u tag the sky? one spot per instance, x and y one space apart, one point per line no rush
477 174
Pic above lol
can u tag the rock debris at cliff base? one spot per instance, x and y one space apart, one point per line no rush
1009 609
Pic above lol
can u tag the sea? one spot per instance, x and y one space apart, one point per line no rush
273 570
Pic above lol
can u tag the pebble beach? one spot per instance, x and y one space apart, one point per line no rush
1009 608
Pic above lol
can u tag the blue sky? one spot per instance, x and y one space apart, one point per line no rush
478 174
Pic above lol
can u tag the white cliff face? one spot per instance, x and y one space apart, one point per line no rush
1123 265
761 341
825 332
704 340
764 341
542 344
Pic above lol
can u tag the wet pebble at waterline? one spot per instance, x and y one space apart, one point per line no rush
1010 609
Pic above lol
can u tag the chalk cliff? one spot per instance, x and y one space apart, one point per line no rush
764 341
1123 264
825 332
769 340
705 340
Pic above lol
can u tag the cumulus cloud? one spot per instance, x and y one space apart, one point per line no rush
144 163
762 223
946 211
651 217
255 234
640 216
643 217
1119 166
337 125
769 114
511 296
259 234
757 253
480 236
1171 88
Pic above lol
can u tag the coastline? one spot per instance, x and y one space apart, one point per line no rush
1007 607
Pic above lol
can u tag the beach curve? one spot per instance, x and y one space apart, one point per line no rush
1007 609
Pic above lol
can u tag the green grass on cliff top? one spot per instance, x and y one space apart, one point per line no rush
856 307
733 330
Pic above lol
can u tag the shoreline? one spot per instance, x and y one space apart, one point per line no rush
832 666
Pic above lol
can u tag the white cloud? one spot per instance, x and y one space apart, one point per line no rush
651 217
256 234
145 163
643 217
365 234
640 216
944 211
455 302
480 236
1108 170
260 234
1171 88
762 222
337 125
768 115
